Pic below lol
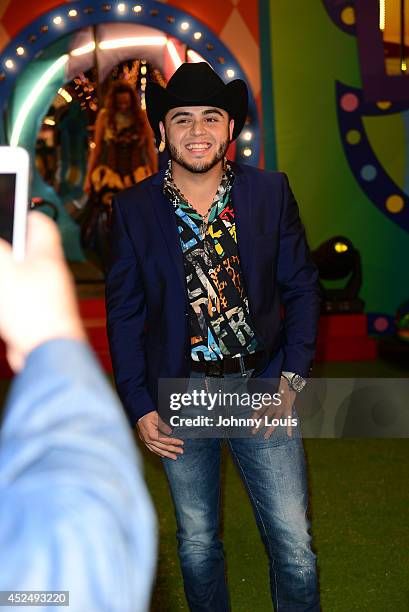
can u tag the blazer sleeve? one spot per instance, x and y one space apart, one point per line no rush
298 284
75 514
126 314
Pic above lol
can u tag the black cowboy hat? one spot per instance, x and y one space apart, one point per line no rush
197 84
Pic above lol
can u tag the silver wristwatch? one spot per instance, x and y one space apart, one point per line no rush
295 381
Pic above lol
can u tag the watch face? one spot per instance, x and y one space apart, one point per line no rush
298 383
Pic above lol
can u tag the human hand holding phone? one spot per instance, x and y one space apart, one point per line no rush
14 182
37 297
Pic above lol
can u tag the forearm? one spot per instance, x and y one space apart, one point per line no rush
70 474
61 396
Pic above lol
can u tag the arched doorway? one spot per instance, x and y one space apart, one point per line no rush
41 58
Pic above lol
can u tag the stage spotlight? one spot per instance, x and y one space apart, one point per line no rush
337 260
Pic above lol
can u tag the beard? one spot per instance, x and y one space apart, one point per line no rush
199 167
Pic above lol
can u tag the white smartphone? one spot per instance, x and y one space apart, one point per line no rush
14 181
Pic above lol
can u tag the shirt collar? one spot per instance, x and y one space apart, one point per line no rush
219 201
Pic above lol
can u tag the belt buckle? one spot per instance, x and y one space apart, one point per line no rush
214 369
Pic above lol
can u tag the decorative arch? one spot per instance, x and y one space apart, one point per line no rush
72 16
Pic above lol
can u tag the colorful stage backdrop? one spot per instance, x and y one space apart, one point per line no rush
348 160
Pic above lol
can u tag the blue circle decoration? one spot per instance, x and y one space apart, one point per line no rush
368 172
60 21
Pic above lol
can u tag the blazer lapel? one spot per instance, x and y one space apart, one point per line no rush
241 198
242 213
167 223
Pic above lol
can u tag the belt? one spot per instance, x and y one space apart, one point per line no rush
227 365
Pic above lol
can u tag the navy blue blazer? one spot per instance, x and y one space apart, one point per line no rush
146 295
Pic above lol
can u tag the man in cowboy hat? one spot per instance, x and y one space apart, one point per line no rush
204 256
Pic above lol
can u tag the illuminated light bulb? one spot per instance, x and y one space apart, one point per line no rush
340 247
72 13
143 80
403 66
137 8
247 136
247 152
20 50
143 70
57 20
9 64
92 145
49 121
117 43
64 94
197 35
83 50
185 25
382 14
230 73
121 7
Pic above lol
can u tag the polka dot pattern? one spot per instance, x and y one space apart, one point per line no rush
372 177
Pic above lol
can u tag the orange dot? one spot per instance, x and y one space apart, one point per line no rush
395 203
384 105
348 16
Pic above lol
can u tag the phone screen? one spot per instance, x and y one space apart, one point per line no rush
7 197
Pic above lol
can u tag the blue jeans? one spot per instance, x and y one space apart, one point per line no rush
274 474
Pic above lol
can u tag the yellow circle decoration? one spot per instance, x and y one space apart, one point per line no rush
395 203
348 16
353 137
383 105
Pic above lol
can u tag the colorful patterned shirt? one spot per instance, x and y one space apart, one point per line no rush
220 322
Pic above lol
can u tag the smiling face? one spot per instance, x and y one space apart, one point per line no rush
197 137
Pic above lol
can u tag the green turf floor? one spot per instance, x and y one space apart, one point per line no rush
359 499
359 496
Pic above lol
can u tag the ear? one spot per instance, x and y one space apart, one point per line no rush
231 128
162 131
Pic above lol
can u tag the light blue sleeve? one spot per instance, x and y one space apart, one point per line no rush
74 510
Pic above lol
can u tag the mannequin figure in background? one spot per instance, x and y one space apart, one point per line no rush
124 152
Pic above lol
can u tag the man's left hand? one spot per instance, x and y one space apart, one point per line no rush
283 411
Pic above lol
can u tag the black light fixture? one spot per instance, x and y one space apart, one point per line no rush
337 259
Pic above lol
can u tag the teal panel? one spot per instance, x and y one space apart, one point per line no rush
69 229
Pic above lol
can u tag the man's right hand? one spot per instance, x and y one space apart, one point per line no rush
38 301
151 429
